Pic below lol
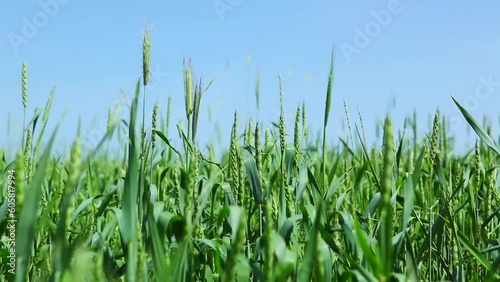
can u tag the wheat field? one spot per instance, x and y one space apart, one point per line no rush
411 209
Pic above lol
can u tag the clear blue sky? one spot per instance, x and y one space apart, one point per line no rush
91 50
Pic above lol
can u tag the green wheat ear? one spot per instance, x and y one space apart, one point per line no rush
233 152
267 142
282 119
249 133
188 87
434 141
146 54
296 136
198 93
154 122
304 122
25 85
24 92
27 155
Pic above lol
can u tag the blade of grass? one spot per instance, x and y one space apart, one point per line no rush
478 128
29 215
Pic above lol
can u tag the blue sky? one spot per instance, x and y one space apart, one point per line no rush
417 53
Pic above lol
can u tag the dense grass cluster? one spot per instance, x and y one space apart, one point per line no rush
409 210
